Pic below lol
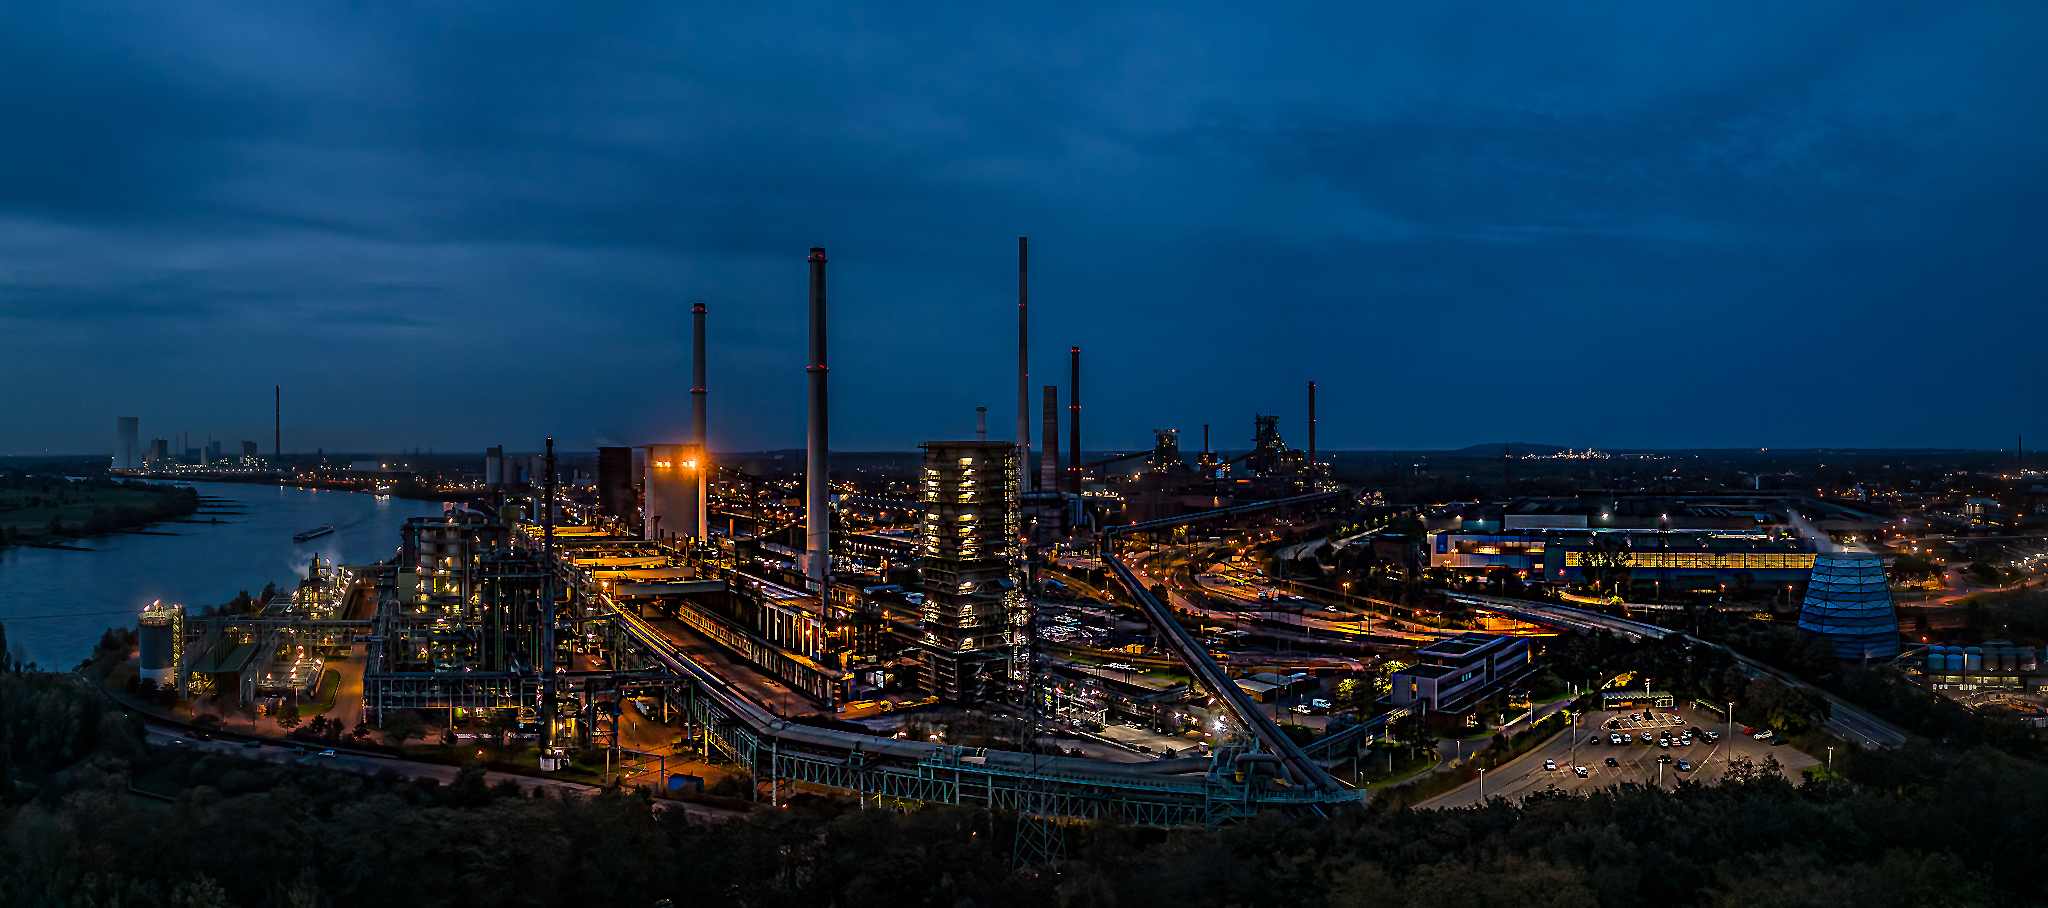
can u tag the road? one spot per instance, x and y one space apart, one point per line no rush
1638 762
371 765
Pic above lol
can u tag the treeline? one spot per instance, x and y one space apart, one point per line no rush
93 817
114 504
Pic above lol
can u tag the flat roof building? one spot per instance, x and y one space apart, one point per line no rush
1454 674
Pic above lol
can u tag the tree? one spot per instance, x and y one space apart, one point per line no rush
501 724
402 726
288 716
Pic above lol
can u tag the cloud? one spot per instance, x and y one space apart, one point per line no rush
515 203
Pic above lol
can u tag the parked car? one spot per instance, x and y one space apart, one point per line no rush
1646 737
1764 735
1616 739
1663 758
1712 736
1550 765
1613 762
1684 766
1581 770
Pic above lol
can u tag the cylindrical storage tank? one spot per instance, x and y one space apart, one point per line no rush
2025 661
1955 658
1973 658
1937 658
2005 659
156 645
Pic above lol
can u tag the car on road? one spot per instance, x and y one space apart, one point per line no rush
1646 737
1764 735
1684 766
1550 765
1616 738
252 744
327 753
1613 762
1319 703
1712 736
1581 770
1330 608
299 749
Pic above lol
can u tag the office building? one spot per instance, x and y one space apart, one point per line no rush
1849 602
1454 674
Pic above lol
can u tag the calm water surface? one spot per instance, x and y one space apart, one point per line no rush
205 564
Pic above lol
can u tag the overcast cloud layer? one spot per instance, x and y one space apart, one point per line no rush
453 225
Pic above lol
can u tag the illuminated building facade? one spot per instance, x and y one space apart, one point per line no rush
1849 602
968 550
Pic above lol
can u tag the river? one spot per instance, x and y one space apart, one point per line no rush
56 603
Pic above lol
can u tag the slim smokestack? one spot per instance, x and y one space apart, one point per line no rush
697 423
1205 438
980 423
277 424
817 492
1311 426
1074 425
1049 471
1024 477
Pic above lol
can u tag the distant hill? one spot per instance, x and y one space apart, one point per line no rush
1517 448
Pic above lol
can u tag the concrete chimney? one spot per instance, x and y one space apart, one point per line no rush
817 485
1049 470
1024 472
1311 425
980 423
1074 425
697 425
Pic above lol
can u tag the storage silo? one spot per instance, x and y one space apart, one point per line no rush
1955 658
1937 658
159 632
2025 660
1849 602
1973 658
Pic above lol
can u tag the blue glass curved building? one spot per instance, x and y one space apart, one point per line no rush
1849 602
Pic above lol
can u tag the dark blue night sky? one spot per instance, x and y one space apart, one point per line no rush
460 224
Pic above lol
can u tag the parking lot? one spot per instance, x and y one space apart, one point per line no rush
1590 746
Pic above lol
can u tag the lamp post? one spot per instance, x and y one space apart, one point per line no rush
1482 787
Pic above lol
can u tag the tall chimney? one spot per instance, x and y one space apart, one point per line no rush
277 426
1049 470
1074 425
1024 472
1205 438
1311 425
697 424
980 423
817 488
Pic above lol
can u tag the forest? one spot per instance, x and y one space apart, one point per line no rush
91 816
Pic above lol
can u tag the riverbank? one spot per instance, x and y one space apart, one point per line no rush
51 510
55 603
